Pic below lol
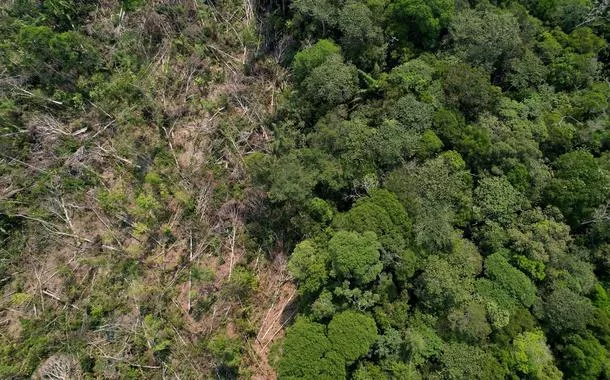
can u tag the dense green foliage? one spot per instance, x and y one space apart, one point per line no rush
441 168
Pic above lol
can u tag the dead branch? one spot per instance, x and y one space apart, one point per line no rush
26 92
265 320
171 148
108 228
51 227
597 11
279 314
39 290
102 129
68 220
280 328
22 163
112 154
232 258
50 125
56 298
130 363
188 307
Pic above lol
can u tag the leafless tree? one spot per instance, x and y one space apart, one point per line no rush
60 367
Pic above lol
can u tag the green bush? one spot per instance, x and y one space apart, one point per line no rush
241 284
352 334
308 354
227 354
355 256
510 279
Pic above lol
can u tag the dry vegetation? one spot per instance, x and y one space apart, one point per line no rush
131 206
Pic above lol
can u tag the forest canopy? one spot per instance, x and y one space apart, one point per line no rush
305 189
453 185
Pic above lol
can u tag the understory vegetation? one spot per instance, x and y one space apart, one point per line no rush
305 189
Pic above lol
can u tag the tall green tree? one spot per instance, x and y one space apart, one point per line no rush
533 357
352 334
355 256
419 22
485 37
308 354
579 186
